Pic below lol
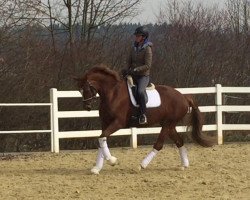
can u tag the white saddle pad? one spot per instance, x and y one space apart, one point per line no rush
154 99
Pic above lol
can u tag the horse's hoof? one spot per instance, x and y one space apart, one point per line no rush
183 168
140 167
113 161
95 170
185 163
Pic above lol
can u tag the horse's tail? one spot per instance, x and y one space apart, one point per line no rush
197 123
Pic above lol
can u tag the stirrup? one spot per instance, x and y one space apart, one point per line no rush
143 119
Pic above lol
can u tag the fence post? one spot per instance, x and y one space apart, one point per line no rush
54 121
219 113
133 139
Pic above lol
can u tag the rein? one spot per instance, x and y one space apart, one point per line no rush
93 90
90 98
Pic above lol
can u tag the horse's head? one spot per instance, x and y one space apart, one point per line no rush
88 92
102 77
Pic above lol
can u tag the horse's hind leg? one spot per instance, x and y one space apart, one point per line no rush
157 147
182 150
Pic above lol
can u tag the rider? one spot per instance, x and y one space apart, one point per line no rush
139 64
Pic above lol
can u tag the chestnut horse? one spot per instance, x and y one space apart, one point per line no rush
116 109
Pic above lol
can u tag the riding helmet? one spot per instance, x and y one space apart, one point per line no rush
141 30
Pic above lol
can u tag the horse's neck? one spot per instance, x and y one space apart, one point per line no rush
112 99
108 92
105 86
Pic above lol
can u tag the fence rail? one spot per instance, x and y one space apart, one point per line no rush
218 108
30 131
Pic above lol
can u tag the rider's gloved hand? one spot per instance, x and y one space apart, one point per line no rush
136 69
131 71
124 73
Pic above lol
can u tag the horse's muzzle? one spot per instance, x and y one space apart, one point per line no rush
87 107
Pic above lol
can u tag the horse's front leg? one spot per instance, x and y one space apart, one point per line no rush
112 127
103 151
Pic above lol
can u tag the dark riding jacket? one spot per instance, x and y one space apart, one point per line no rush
140 58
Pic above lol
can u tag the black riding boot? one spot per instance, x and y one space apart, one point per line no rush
142 82
142 103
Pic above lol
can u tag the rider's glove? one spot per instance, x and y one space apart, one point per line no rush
136 69
124 72
130 71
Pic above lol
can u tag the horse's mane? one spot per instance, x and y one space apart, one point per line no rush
105 70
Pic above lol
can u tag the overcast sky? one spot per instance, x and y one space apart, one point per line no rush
151 7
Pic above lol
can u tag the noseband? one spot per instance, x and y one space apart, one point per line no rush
93 92
85 100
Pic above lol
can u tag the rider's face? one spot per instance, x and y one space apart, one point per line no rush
139 38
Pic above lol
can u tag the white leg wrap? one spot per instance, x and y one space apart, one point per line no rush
99 159
99 162
105 151
148 158
104 148
184 156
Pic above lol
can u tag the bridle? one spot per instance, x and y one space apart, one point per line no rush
90 98
93 92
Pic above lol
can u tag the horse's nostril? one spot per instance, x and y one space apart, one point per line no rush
87 107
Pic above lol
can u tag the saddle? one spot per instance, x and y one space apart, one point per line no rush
130 82
152 96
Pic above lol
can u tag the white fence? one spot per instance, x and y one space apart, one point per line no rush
218 109
30 131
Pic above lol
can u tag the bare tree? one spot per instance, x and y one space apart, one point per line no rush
88 14
81 20
104 12
186 38
239 15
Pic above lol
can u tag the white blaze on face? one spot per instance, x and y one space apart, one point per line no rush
81 91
